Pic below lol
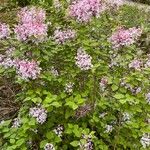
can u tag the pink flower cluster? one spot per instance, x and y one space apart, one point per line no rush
125 37
16 123
39 113
49 146
62 36
88 145
84 10
145 140
6 60
27 69
4 30
103 83
59 130
83 60
54 71
136 64
31 24
148 98
69 87
31 15
7 63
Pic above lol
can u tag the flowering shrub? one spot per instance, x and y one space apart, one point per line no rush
82 68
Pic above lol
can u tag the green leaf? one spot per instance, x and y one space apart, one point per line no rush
56 104
119 96
72 105
32 122
20 142
75 143
12 141
49 135
114 87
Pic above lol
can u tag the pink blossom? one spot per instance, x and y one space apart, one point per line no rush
145 140
49 146
31 30
84 10
62 36
6 60
31 24
27 69
1 58
31 15
83 60
148 97
147 64
54 71
88 144
59 130
16 123
109 128
7 63
103 83
4 31
39 113
125 37
69 87
135 64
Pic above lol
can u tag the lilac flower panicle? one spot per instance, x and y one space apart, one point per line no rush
7 60
69 88
147 65
59 130
145 140
84 10
82 111
39 113
103 83
148 98
61 36
4 30
138 90
126 117
54 71
16 123
49 146
27 69
89 143
83 60
136 64
125 37
1 58
35 30
32 14
109 128
7 63
31 25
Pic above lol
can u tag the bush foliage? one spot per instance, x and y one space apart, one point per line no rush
77 88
